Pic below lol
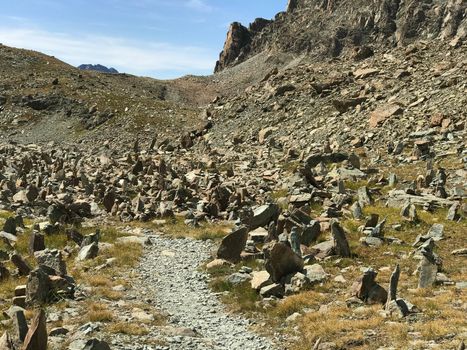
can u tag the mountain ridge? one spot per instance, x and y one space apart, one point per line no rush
98 68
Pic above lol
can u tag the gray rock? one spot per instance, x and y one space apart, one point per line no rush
295 241
310 233
88 252
21 325
263 215
364 197
428 271
357 211
53 259
38 287
36 242
275 289
453 212
238 278
315 273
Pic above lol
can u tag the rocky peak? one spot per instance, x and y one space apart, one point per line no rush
332 28
98 68
238 37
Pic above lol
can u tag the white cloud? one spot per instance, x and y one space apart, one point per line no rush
142 58
199 5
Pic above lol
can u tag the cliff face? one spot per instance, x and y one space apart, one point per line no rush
331 28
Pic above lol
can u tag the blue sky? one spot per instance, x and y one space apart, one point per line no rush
158 38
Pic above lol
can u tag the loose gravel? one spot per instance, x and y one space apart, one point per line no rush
170 275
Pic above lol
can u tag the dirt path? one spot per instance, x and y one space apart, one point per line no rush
170 276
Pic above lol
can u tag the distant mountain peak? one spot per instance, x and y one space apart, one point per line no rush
98 68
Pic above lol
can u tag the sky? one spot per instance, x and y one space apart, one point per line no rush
157 38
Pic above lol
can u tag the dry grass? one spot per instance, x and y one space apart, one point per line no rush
241 298
98 312
127 328
442 318
177 228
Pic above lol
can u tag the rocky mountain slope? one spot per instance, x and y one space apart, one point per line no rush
302 197
333 28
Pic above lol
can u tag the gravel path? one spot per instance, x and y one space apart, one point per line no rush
170 272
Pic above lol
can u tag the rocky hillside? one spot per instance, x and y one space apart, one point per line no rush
332 28
312 194
44 99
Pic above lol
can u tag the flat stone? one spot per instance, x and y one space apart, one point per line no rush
380 115
275 289
260 279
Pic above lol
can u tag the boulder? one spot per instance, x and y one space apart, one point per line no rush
232 245
260 279
282 261
380 115
341 245
36 242
38 287
53 259
21 326
36 339
315 273
263 215
89 251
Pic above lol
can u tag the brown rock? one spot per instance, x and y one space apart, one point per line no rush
282 261
368 290
232 245
436 120
381 114
21 264
36 339
238 38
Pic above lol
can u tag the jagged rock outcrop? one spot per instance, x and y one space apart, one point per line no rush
331 28
98 68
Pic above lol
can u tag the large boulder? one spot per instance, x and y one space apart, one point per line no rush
233 244
89 251
53 259
368 290
263 215
282 261
38 287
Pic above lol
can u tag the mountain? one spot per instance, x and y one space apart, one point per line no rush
98 68
325 29
322 169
